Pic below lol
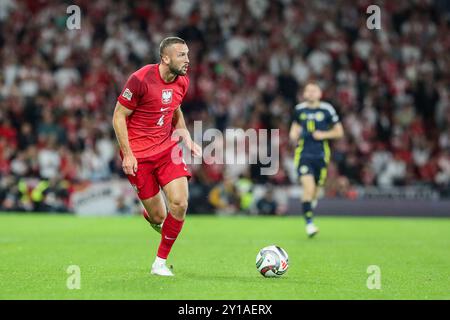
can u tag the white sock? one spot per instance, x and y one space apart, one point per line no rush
160 261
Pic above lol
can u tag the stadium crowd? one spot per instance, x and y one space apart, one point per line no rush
249 59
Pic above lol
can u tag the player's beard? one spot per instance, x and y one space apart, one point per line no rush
178 72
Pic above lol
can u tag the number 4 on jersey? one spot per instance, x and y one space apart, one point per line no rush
160 121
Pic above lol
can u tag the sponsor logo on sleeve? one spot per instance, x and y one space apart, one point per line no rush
127 94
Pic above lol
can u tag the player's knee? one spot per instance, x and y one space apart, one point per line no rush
156 216
308 194
157 219
179 205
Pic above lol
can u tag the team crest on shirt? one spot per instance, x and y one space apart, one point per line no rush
320 116
127 94
166 96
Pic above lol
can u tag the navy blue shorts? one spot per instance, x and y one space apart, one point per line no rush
314 167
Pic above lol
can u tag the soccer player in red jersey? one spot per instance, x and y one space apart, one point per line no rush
146 119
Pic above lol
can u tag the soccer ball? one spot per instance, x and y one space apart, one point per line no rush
272 261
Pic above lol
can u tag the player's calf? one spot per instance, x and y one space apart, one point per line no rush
156 224
154 211
309 195
309 188
176 192
169 233
172 225
153 219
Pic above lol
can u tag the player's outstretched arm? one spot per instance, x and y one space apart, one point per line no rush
129 163
336 132
182 132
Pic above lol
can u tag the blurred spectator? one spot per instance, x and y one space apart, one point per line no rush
9 194
244 188
26 136
267 205
49 159
123 207
55 196
50 195
224 197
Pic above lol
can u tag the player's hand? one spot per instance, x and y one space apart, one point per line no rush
129 165
319 135
183 135
195 148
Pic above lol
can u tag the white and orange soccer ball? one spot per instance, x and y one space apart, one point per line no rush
272 261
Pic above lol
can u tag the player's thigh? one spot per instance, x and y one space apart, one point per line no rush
306 173
144 181
155 207
148 191
320 176
177 193
308 183
172 174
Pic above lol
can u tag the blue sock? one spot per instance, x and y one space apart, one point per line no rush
307 212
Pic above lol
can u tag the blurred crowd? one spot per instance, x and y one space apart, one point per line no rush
249 61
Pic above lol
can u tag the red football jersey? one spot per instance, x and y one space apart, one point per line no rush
153 101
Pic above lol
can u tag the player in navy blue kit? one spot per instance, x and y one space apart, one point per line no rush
314 123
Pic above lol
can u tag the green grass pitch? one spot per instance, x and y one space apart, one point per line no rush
214 258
